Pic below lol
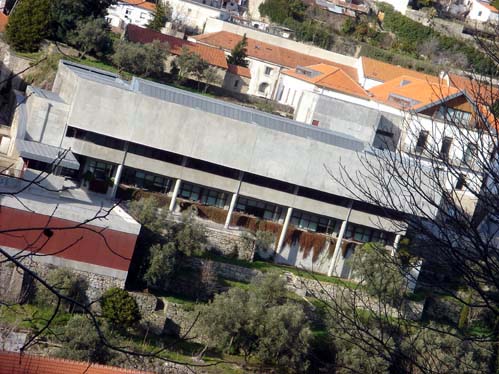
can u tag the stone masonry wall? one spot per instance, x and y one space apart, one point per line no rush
230 242
226 271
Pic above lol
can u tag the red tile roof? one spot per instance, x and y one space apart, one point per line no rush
15 363
490 7
383 71
4 20
330 77
240 70
269 52
213 56
407 92
141 4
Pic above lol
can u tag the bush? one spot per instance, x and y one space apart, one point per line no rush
140 59
119 308
259 322
163 259
81 341
92 37
67 284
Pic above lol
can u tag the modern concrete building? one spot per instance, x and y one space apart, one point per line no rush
247 164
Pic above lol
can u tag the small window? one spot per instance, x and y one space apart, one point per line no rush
268 70
444 151
236 83
422 139
461 182
315 122
263 88
479 13
143 15
128 12
470 154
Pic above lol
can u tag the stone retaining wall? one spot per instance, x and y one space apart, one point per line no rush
230 243
226 271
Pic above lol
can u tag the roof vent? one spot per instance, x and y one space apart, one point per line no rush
404 82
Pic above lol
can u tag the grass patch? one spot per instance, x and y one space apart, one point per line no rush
28 316
265 267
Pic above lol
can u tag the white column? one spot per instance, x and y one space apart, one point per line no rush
233 201
396 244
117 178
284 229
176 189
339 239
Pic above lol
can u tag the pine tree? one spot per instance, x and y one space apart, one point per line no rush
29 25
161 15
238 54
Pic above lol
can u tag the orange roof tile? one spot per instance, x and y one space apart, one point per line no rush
240 70
330 77
141 4
213 56
382 71
4 20
407 92
269 52
15 363
490 7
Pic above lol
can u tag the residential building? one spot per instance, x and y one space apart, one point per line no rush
134 12
321 78
243 163
195 14
483 11
347 8
15 363
267 61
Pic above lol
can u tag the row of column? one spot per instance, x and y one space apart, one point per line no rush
332 270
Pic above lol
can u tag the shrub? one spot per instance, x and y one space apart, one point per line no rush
67 284
81 341
119 308
162 261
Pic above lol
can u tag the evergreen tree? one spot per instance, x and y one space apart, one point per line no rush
29 25
238 54
161 15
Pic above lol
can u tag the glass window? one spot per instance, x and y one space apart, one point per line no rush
444 151
257 208
422 139
461 182
268 70
470 153
314 222
149 181
101 170
203 195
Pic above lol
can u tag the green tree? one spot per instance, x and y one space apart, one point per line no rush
66 283
92 36
80 341
119 308
149 212
280 10
190 65
162 261
238 54
162 14
29 25
259 322
190 236
65 14
140 59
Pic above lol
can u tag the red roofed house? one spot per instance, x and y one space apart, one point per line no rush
14 363
233 78
134 12
323 79
267 61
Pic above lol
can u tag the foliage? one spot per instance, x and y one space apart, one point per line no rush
81 341
379 273
190 64
162 14
162 261
259 322
150 213
28 25
238 54
68 284
190 237
140 59
92 36
280 10
264 241
119 308
65 14
411 34
348 26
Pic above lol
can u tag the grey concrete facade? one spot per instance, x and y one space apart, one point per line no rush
195 127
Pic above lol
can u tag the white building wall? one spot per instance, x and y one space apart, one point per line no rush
479 12
194 15
122 14
263 74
